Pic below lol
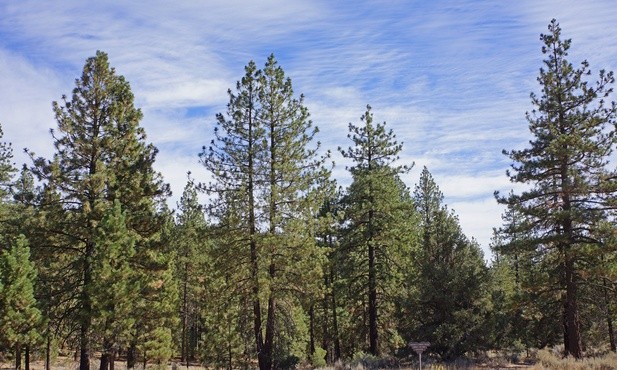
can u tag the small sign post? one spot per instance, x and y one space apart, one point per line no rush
419 347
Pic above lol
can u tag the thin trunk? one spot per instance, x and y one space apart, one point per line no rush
104 361
372 302
325 344
265 358
336 336
27 358
312 330
229 356
86 311
253 235
609 316
564 321
18 357
48 352
112 358
183 346
372 268
104 365
574 344
131 355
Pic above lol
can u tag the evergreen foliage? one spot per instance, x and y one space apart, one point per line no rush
193 269
379 233
452 302
114 290
20 318
279 270
101 156
267 191
571 187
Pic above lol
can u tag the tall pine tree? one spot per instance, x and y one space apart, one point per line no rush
571 188
379 232
101 155
266 181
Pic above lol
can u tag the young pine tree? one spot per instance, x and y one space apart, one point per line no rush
452 281
115 288
20 319
192 268
379 229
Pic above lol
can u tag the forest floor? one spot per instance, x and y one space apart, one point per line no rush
62 363
69 364
65 364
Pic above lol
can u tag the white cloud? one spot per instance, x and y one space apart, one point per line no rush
451 79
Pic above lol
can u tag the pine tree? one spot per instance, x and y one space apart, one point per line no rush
451 303
572 189
7 214
54 286
266 181
379 214
531 312
115 287
20 318
191 247
101 155
232 159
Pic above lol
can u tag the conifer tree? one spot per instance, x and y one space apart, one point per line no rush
572 189
266 179
532 312
232 159
101 155
7 211
452 282
20 318
191 247
115 288
379 235
7 167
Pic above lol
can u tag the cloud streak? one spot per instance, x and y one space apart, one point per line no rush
452 79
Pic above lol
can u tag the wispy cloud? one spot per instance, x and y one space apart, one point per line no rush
452 79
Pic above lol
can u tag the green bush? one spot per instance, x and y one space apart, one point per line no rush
318 358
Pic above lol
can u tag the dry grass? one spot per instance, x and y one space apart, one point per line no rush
546 360
63 363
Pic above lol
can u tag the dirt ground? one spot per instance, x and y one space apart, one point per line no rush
69 364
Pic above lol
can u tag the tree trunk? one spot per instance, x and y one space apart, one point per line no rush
372 302
18 357
574 344
183 344
131 355
229 356
86 311
253 243
256 304
265 356
48 352
27 358
336 336
112 358
105 355
325 344
609 316
312 330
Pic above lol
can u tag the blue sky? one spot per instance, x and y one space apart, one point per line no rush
451 78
